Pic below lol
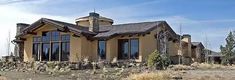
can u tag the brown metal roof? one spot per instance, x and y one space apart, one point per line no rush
104 31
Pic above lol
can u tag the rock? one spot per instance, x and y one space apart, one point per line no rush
73 77
177 77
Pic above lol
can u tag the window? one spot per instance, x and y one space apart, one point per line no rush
46 36
37 39
55 36
65 47
134 46
36 51
55 52
36 47
102 49
123 49
65 38
128 49
65 51
45 51
51 46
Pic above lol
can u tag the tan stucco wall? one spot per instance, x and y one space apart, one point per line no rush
147 44
173 48
28 49
187 49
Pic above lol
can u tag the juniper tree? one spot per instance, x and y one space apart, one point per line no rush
228 50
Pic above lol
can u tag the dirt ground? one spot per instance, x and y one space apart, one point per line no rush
99 75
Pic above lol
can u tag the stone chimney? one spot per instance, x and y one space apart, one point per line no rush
20 27
187 38
94 22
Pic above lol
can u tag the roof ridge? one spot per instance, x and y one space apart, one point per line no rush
138 22
57 21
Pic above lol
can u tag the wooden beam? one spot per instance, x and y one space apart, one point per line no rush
74 35
23 39
33 33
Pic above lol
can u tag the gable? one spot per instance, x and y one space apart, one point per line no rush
57 25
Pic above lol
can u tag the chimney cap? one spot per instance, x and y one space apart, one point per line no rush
22 24
94 14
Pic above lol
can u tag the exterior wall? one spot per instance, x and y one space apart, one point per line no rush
147 44
112 49
198 54
88 49
28 45
187 49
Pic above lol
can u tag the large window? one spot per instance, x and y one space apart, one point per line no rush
51 46
102 49
128 49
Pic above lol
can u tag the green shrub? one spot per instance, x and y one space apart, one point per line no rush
157 60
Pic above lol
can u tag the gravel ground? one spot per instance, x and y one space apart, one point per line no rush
99 75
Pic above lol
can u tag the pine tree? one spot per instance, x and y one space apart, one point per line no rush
228 50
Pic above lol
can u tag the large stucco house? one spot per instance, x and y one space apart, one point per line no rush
96 38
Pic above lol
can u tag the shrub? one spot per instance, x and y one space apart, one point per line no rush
158 60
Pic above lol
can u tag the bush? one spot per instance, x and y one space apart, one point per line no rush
157 60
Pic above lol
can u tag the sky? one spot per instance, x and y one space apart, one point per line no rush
205 20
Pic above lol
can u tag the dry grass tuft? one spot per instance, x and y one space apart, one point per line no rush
180 67
163 75
208 66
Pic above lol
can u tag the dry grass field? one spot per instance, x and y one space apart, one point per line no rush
195 71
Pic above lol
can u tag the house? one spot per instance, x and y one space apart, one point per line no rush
198 54
213 57
96 37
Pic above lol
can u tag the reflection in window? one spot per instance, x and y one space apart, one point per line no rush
134 46
45 36
65 51
123 49
45 52
65 37
102 49
55 52
37 39
36 53
55 36
36 48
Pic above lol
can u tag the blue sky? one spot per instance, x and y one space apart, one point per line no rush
200 18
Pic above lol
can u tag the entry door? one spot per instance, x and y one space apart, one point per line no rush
123 48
